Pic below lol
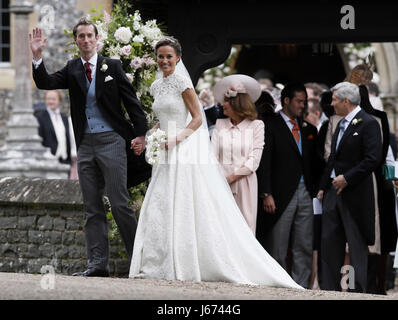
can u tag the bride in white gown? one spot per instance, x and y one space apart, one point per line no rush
190 227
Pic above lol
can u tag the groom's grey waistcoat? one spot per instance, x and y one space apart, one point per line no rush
95 121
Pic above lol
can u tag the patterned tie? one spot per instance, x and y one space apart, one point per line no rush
295 130
341 132
88 71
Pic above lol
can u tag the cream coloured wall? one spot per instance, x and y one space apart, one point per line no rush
87 5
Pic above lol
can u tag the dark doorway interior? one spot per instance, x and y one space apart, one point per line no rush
291 62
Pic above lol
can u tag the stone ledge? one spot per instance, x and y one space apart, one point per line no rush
40 191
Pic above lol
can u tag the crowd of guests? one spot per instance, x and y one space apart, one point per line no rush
279 152
313 143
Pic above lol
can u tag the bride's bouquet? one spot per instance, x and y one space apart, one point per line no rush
153 146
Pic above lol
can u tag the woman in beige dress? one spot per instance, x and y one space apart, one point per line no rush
238 141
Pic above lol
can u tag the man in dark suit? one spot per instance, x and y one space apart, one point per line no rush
97 87
347 191
54 128
288 179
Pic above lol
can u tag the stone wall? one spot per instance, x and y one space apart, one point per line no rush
41 223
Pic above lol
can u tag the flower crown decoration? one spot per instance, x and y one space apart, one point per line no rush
233 91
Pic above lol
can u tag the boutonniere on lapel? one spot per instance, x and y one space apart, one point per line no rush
104 67
310 137
304 124
356 121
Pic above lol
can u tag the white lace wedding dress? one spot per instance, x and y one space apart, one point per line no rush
190 227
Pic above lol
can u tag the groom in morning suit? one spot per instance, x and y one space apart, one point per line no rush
288 178
97 87
347 190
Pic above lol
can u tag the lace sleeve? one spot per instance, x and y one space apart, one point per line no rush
183 84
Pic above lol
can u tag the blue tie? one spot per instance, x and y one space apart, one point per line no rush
341 132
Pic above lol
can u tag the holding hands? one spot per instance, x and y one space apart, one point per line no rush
138 145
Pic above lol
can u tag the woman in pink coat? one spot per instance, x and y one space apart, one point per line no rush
238 140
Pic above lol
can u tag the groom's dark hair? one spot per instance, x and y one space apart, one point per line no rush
84 22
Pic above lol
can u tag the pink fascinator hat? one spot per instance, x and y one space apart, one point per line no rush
231 85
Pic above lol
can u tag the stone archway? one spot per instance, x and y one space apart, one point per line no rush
386 57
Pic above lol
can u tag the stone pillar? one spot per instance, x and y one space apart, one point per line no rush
23 154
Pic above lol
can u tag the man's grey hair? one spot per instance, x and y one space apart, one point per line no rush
347 90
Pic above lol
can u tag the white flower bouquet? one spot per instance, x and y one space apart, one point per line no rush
154 142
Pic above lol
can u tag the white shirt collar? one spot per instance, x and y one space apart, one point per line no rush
92 61
352 114
50 111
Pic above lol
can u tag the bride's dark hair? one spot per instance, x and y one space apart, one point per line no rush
169 41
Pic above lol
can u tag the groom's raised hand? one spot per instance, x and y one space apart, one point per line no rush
37 43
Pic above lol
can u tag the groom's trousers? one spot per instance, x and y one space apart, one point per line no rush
102 168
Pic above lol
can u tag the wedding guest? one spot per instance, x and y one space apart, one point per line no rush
314 90
56 129
385 205
213 110
314 113
374 96
265 106
328 110
348 203
239 139
264 78
288 180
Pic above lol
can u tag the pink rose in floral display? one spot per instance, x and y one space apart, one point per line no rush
125 51
148 61
107 17
136 63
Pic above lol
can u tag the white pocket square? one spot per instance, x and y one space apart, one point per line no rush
108 78
355 134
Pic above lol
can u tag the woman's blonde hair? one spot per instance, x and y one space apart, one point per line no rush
243 106
60 95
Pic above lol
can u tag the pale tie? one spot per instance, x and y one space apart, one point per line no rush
341 132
